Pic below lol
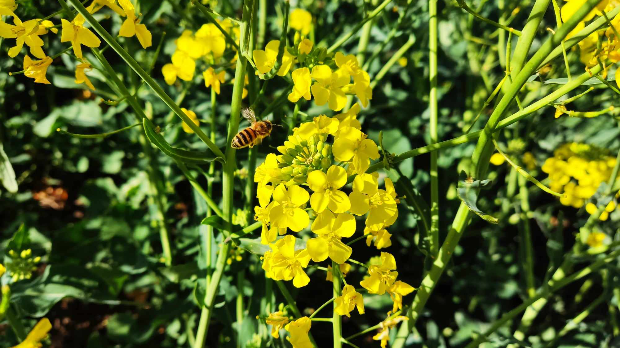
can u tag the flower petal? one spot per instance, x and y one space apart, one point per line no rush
318 248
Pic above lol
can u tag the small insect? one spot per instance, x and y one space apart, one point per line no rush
254 134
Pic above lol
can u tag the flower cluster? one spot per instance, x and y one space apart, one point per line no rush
21 264
305 185
578 170
327 77
594 47
75 32
209 44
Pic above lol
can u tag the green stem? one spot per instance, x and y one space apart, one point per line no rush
144 75
348 35
392 61
573 323
322 306
526 238
336 320
432 46
227 182
97 136
15 324
155 179
467 9
545 293
240 310
205 195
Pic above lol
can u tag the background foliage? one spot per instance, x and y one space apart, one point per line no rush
101 280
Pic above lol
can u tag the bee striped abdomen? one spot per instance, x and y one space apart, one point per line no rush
244 138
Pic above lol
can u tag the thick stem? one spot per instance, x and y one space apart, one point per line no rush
336 320
480 162
227 182
432 47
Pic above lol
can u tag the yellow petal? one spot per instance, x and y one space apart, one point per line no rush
318 248
336 176
317 180
338 201
344 226
339 252
319 201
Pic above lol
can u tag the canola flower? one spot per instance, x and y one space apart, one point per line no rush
27 32
38 333
213 79
305 183
301 20
329 78
578 170
277 320
132 26
384 331
192 116
80 74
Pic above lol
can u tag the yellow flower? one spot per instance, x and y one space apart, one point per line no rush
379 234
8 4
212 39
78 36
188 44
402 61
384 332
361 84
301 20
277 320
268 233
192 116
353 145
283 262
596 239
305 46
36 69
344 269
288 214
46 26
183 67
348 300
326 193
330 230
2 269
382 276
319 125
301 87
617 76
328 87
80 75
349 119
213 79
529 160
132 26
23 32
397 291
298 330
265 60
268 171
497 159
38 333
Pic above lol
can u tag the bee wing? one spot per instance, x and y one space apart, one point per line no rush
248 114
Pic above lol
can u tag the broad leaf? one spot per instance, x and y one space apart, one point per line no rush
468 190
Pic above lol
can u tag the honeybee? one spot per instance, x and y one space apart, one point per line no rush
254 134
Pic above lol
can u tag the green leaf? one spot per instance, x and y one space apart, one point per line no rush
7 174
45 127
185 156
177 273
199 294
468 190
20 239
216 222
113 162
